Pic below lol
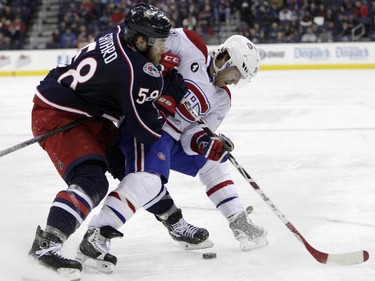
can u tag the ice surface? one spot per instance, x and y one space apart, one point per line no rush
306 137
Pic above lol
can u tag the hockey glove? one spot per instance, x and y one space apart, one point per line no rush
210 148
228 144
116 160
168 62
173 92
166 105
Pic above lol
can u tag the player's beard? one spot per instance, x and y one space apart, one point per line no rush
154 56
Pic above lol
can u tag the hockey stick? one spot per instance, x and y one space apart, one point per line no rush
43 136
324 258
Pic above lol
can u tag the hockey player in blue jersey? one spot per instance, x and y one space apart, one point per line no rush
113 78
184 147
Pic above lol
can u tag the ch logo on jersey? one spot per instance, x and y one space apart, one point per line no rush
151 70
161 156
197 99
194 67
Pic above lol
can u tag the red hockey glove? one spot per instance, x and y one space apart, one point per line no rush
209 148
167 105
168 61
228 144
173 92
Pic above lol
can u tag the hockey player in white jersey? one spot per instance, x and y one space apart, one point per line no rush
235 62
185 148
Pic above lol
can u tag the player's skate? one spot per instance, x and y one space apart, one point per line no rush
188 236
46 250
247 233
94 249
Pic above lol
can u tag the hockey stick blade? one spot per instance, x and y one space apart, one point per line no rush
347 258
350 258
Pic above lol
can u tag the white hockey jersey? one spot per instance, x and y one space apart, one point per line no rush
209 101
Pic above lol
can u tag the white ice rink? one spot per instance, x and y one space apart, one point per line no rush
306 137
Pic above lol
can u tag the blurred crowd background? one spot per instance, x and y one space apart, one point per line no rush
51 24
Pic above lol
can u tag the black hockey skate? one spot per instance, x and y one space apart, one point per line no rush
46 250
187 235
95 246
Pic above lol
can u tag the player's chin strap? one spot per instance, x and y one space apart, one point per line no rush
338 259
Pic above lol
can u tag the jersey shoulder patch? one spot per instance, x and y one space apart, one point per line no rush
150 69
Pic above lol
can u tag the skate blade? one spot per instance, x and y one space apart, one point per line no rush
64 274
247 245
73 274
203 245
38 272
93 265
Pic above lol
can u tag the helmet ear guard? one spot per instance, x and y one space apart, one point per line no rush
242 53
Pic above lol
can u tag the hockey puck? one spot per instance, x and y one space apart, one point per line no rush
249 209
209 256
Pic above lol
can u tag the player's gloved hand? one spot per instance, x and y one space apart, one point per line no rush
212 149
166 106
168 62
173 92
115 157
228 144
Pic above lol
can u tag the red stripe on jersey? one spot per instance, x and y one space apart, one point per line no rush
173 127
228 92
185 113
218 187
197 41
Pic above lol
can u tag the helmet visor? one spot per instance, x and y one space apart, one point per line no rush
158 44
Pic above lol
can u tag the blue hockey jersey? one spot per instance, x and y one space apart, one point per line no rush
108 78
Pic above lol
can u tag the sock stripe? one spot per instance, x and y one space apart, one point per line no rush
218 187
118 214
74 202
226 200
68 209
115 194
131 206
